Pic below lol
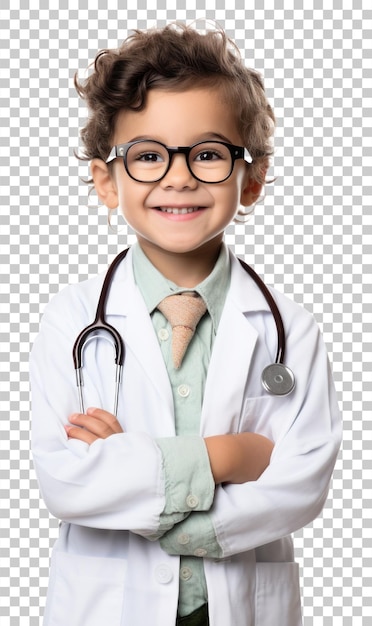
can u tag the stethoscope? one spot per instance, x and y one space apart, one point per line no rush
276 378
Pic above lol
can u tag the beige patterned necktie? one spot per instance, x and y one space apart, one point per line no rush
183 311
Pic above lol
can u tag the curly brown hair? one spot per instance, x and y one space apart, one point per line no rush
175 58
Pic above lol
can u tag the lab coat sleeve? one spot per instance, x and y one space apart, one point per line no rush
293 489
116 483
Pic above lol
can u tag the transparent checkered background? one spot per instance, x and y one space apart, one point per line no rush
311 238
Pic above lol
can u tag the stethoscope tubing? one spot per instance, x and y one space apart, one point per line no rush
100 324
280 352
272 379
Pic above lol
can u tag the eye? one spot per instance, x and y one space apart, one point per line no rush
208 155
146 153
149 157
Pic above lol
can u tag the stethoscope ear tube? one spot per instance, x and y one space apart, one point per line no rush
100 323
96 327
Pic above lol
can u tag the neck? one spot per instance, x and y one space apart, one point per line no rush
186 269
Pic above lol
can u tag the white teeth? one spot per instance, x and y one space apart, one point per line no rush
182 211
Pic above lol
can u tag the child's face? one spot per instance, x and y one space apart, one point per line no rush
177 119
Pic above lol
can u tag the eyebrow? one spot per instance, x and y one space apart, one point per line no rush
209 136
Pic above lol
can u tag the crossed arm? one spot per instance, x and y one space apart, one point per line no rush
233 458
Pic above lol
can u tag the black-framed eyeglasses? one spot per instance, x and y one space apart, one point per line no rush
148 161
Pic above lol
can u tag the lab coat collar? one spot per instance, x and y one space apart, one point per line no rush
123 288
245 294
226 365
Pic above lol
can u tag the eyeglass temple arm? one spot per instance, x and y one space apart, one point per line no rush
112 155
247 157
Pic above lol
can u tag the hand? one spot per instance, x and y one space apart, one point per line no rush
238 458
95 424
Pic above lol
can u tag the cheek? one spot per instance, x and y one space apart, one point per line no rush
132 204
229 197
129 196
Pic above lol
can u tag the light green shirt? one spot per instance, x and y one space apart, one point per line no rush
185 526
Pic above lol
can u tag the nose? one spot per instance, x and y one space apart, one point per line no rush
179 175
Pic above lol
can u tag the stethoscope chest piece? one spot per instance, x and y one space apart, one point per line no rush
278 379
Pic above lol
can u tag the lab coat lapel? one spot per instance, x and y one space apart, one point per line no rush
232 355
228 372
125 302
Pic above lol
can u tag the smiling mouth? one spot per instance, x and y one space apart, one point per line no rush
177 211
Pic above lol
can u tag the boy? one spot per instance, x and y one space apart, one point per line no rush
179 510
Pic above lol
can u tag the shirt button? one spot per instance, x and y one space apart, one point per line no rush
183 539
183 391
163 574
163 334
185 573
192 501
200 552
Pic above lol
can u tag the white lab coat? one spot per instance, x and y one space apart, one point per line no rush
110 495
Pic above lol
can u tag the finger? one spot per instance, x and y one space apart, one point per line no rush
95 426
100 423
74 432
106 417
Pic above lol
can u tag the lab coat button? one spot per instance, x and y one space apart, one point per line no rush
185 573
192 501
183 391
163 334
163 574
183 539
200 552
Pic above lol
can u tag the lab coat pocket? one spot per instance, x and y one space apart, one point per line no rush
278 599
85 591
266 415
255 416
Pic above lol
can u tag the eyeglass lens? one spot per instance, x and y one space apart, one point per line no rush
148 161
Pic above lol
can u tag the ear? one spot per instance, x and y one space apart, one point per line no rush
251 191
104 183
